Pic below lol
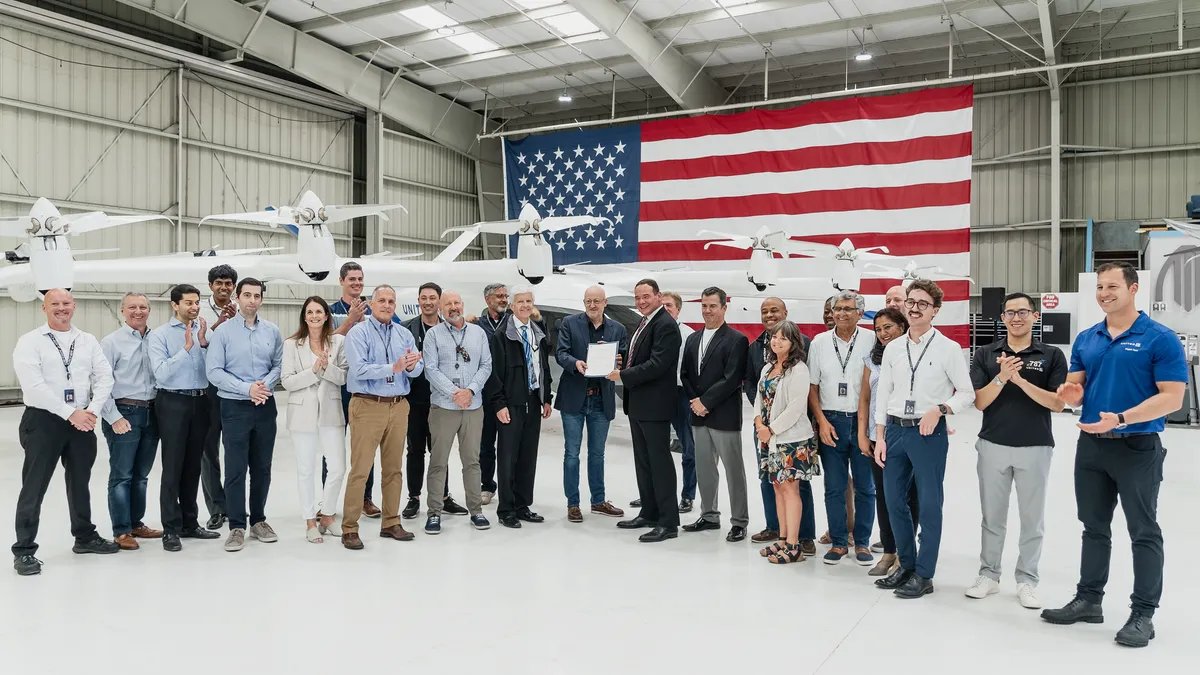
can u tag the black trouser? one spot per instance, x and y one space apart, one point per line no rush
487 449
655 467
249 433
48 439
183 427
517 456
881 510
420 443
371 474
1130 468
210 463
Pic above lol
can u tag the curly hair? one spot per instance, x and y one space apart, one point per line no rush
898 318
792 334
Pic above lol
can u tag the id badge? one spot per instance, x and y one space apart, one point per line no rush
390 379
69 396
843 389
910 407
455 382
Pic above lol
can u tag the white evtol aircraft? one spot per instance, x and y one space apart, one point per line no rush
910 273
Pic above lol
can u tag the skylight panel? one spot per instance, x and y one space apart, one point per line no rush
428 17
473 43
571 24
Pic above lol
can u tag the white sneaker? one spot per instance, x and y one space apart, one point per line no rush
1028 599
983 587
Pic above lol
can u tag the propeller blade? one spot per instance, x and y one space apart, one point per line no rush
334 214
556 223
801 247
891 271
387 255
728 244
92 251
873 248
14 227
272 218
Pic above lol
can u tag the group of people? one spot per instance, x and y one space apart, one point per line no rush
867 409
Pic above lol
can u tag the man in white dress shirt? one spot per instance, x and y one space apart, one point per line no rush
682 424
65 382
923 378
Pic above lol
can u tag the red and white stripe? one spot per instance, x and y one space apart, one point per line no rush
889 171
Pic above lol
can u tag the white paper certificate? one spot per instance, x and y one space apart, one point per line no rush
601 359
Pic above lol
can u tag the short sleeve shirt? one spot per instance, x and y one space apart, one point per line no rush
1014 419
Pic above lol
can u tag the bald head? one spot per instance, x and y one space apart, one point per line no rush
773 311
894 298
595 300
59 307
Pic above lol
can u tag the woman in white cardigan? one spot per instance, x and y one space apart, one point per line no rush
787 449
314 370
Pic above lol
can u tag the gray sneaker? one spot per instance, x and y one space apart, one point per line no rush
263 533
236 540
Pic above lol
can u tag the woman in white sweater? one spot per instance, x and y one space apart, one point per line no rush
314 370
787 448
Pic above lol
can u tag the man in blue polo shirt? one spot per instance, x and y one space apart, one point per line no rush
1128 372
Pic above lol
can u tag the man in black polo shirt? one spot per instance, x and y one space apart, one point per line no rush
1015 380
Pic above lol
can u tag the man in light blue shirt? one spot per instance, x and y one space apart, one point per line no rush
458 362
382 356
129 426
244 360
181 410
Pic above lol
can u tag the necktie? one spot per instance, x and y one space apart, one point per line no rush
637 333
528 358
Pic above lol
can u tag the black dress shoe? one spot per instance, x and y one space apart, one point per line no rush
453 508
216 522
96 544
701 525
685 506
171 543
198 533
895 579
659 533
1075 611
27 565
635 524
637 504
1138 631
914 588
510 521
530 517
411 508
736 533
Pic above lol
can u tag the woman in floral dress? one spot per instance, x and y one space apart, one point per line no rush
787 449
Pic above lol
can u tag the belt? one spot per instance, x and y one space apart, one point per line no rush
134 402
903 421
186 392
1113 434
379 399
593 391
839 413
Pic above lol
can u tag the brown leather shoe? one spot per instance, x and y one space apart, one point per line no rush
351 541
807 547
396 532
370 510
127 543
144 532
607 509
574 515
765 536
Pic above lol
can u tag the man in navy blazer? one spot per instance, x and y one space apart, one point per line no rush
586 401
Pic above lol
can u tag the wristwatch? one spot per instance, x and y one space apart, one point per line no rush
996 381
1121 424
943 408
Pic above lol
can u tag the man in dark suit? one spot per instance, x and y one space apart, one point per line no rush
586 401
714 365
773 311
650 400
496 297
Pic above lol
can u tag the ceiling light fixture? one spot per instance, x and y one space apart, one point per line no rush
864 55
564 97
446 30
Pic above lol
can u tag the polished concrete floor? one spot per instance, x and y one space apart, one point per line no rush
563 598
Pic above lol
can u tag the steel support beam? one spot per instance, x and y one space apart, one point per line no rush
326 65
374 243
369 12
1046 19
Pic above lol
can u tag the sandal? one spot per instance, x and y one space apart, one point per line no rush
791 555
314 536
331 529
773 548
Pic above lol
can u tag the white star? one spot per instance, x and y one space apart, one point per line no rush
599 243
599 197
570 164
532 168
620 195
561 245
570 187
541 201
610 183
559 199
619 240
589 208
620 171
611 230
550 187
579 174
599 174
541 179
609 206
550 213
610 159
589 162
589 185
621 146
571 212
591 231
524 203
523 179
539 156
558 176
549 167
579 198
579 151
578 244
521 159
599 149
619 218
558 153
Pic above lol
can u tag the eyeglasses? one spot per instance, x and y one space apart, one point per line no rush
1012 314
919 304
845 310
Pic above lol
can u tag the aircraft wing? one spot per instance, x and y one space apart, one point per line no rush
11 275
403 272
168 269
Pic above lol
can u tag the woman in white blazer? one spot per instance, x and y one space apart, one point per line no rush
314 370
787 448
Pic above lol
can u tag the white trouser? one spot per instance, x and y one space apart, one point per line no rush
330 442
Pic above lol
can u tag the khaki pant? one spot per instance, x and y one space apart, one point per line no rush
375 425
444 425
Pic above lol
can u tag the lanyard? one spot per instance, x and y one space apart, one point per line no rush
387 341
66 358
849 352
912 382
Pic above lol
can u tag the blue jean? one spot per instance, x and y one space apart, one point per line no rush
683 430
839 461
130 459
597 433
808 523
248 432
913 457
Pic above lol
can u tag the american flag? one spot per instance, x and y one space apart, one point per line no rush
889 171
